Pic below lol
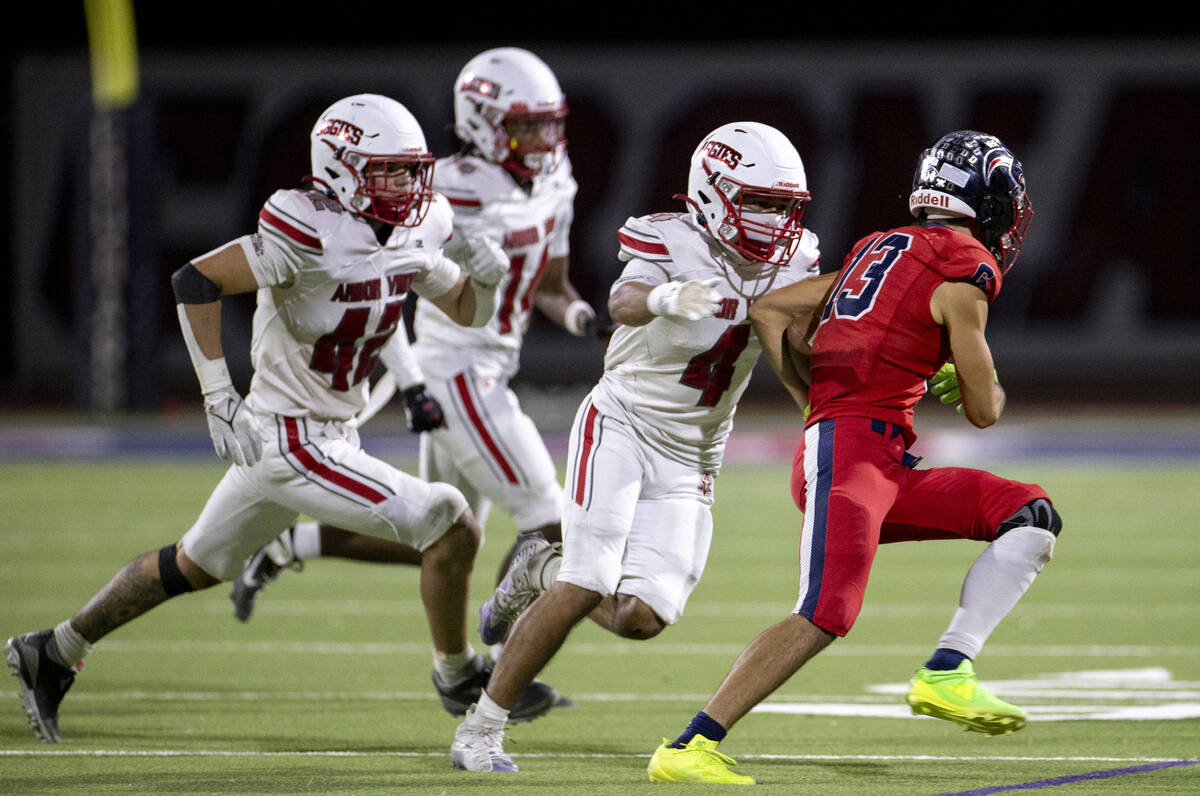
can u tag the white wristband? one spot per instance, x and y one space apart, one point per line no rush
213 375
658 296
578 313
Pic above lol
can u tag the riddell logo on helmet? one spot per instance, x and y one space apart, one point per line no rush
723 152
343 130
929 199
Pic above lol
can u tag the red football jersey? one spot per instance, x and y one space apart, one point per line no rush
877 343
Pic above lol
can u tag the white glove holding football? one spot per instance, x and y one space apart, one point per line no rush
233 433
486 263
690 301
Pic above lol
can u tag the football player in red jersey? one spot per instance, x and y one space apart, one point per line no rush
905 302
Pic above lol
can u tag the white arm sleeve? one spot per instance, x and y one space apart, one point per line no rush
485 303
397 356
212 373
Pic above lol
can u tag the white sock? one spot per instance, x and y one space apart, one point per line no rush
71 647
306 540
994 584
452 668
488 713
550 567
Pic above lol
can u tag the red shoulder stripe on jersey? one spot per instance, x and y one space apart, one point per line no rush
301 237
639 245
456 201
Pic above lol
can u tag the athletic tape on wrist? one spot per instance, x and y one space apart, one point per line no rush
212 373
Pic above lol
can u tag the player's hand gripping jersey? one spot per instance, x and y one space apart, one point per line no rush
532 227
331 297
878 342
678 382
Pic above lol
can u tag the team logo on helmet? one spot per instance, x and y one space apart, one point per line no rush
996 160
481 85
723 152
344 130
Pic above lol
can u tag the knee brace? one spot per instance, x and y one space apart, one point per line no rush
1038 513
173 580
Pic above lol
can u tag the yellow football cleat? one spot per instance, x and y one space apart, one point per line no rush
699 761
957 696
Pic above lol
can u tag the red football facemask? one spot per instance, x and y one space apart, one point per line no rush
398 187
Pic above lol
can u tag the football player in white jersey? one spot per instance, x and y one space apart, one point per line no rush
648 440
331 263
512 184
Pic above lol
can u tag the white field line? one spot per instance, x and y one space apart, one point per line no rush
624 648
1174 572
845 707
570 756
883 695
303 607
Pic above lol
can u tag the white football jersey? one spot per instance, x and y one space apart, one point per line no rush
531 227
330 298
678 382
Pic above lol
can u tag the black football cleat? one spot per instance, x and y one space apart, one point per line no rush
43 681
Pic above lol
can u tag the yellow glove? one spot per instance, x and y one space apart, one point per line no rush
944 385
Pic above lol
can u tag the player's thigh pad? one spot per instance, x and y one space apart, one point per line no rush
236 522
851 476
953 503
666 552
321 471
490 443
605 465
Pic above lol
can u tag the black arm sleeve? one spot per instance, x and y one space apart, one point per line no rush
193 287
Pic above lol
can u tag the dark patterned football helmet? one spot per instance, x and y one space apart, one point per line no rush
971 174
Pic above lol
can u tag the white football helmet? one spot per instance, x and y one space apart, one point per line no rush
747 184
508 105
369 153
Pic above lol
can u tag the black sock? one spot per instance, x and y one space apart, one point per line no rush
704 725
945 660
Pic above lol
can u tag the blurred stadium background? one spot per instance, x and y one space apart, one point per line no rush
1103 309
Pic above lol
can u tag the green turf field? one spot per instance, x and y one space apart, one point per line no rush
327 689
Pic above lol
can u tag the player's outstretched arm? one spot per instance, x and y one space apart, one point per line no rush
637 303
963 309
790 308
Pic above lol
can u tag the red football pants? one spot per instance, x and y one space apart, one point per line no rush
850 479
